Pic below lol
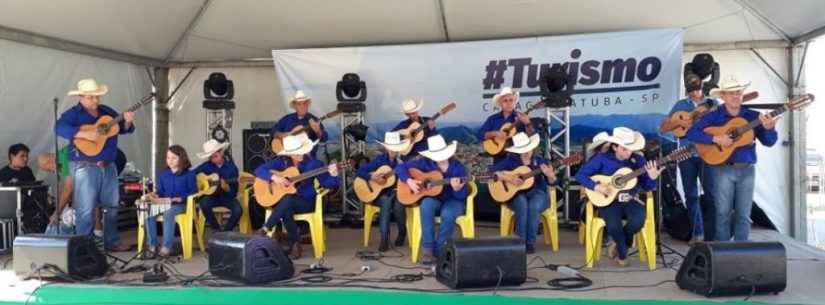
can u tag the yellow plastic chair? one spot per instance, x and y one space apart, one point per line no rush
370 211
645 239
466 222
185 223
549 219
244 225
315 220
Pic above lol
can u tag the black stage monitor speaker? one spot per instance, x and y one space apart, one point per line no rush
482 262
257 148
734 268
49 255
247 258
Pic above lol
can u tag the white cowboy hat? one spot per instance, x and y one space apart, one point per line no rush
393 141
727 85
522 143
211 147
598 140
505 91
298 144
409 105
438 150
626 137
89 86
299 96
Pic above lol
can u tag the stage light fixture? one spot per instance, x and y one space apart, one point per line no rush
217 86
556 88
351 88
703 65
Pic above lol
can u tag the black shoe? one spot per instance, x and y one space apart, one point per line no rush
385 244
531 249
401 239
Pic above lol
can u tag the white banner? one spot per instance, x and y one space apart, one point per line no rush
624 78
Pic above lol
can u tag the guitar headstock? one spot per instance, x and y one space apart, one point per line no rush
680 154
331 114
800 101
447 108
346 164
572 159
537 105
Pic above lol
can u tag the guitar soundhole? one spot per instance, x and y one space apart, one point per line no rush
618 182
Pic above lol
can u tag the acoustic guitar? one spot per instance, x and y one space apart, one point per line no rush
268 193
495 146
278 141
625 178
698 113
415 130
502 191
432 183
208 184
369 189
106 127
741 132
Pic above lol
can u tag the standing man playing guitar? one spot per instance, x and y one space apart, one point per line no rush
624 142
94 175
693 168
449 203
301 117
227 192
527 204
296 153
734 178
411 108
491 129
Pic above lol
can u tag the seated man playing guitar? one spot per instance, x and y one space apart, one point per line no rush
734 178
527 204
624 142
174 185
301 117
449 203
491 129
411 108
227 191
387 199
296 153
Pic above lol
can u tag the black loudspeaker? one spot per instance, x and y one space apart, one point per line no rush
734 268
482 262
247 258
50 255
257 148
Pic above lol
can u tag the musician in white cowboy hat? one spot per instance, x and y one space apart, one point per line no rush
301 117
296 153
506 99
624 142
733 180
227 193
410 108
94 176
393 144
450 202
528 204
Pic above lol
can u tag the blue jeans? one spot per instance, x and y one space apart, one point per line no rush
733 191
95 187
168 226
622 235
691 170
207 203
389 207
528 207
449 210
284 210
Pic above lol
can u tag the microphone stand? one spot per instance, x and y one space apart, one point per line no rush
56 155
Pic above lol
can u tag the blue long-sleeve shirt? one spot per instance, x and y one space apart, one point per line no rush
379 161
607 164
512 161
290 121
176 185
227 171
306 188
421 145
69 125
688 105
495 121
455 169
744 154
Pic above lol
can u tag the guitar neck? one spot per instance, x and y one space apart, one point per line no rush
309 174
134 107
753 124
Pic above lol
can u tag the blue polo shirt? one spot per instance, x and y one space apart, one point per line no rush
512 161
495 121
226 171
306 188
607 164
379 161
290 121
744 154
421 145
172 185
688 105
69 125
455 169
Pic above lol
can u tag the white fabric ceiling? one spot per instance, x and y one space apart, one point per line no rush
237 29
